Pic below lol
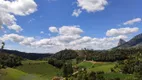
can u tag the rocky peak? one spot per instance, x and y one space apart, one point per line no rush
121 41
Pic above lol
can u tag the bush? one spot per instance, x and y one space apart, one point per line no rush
9 60
56 63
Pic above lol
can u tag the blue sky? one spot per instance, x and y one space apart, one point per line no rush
93 22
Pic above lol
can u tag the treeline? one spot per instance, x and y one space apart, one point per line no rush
31 56
61 57
9 60
66 54
95 55
56 63
107 55
132 65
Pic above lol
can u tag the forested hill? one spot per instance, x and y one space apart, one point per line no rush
135 42
31 56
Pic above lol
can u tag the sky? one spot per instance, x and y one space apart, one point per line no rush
48 26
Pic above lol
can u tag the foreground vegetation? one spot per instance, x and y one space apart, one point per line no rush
124 64
40 68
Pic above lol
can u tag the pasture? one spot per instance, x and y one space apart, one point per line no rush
30 70
105 67
39 68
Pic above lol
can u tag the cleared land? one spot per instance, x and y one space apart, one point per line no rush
30 70
103 66
40 68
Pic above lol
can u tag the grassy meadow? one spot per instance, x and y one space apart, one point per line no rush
30 70
105 67
97 66
41 70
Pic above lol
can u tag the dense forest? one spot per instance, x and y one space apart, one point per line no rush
9 60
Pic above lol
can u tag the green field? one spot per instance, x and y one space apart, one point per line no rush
30 70
105 67
11 74
40 68
14 74
117 75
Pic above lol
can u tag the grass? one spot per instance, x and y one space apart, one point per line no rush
11 74
106 67
30 70
117 75
97 66
103 67
39 68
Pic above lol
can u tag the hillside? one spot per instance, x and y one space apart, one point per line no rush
135 42
65 54
121 42
31 56
30 70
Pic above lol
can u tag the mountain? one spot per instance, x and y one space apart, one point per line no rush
31 56
135 42
121 41
65 54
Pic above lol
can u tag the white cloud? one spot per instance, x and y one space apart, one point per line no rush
81 40
53 29
121 31
8 10
41 32
130 22
15 27
12 37
18 39
90 5
70 30
76 12
71 40
27 41
9 20
19 7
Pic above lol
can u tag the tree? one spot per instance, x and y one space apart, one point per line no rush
2 47
9 60
67 69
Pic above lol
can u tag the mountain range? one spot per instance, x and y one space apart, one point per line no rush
135 42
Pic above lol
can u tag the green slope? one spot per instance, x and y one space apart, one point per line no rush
106 67
11 74
30 70
97 66
40 68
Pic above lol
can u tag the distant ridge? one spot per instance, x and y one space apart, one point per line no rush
31 56
135 42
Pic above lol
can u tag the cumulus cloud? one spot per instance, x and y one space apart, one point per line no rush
8 10
90 6
121 31
12 37
19 7
76 12
70 30
27 41
130 22
15 27
18 39
53 29
71 40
